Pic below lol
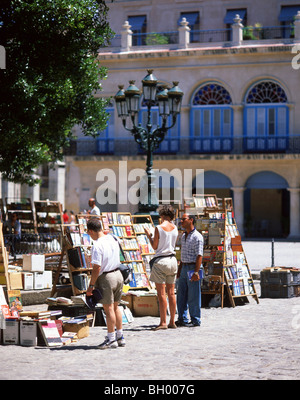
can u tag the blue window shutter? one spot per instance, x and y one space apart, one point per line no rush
288 13
137 22
191 17
230 15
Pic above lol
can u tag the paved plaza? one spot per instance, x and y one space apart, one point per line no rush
253 341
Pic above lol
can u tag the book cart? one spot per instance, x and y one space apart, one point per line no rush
25 212
121 225
224 260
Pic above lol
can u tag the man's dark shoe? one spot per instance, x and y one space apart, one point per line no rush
191 324
180 323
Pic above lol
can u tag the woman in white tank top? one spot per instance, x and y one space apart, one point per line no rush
164 264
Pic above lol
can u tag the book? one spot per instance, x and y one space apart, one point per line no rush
49 333
15 301
74 257
5 311
190 274
35 314
81 281
86 239
236 287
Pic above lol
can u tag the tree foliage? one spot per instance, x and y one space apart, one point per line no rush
52 73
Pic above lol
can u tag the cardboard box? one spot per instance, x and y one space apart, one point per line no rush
82 329
38 280
15 280
34 262
47 279
28 333
2 266
27 279
11 334
146 305
129 299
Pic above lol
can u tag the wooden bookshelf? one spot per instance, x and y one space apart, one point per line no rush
224 260
78 262
238 277
140 222
49 218
206 201
24 209
121 225
82 220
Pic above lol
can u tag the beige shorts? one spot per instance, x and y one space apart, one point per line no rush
111 287
164 271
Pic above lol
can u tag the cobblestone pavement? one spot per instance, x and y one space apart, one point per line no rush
253 341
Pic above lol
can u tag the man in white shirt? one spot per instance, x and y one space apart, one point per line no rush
107 277
94 209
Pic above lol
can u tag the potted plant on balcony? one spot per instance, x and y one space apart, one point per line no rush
253 32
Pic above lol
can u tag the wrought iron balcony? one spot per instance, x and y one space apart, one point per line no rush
185 145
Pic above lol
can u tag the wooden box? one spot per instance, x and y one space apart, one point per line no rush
81 329
15 280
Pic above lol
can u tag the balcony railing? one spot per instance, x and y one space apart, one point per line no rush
268 32
154 38
236 35
185 145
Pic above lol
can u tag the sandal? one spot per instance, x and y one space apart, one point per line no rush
160 327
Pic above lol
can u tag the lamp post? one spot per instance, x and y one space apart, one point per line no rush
169 103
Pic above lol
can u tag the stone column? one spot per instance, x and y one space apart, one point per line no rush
297 27
126 37
294 213
32 191
238 114
11 190
238 203
184 34
57 183
237 31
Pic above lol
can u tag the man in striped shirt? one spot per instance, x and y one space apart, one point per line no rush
189 289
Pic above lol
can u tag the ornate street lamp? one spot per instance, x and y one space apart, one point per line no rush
169 103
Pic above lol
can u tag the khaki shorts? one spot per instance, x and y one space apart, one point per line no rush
164 271
111 287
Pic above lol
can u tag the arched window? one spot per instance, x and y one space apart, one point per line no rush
266 92
266 117
211 119
211 94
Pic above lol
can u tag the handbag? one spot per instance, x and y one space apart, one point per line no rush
92 301
126 271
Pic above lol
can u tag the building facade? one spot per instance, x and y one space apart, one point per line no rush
238 64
